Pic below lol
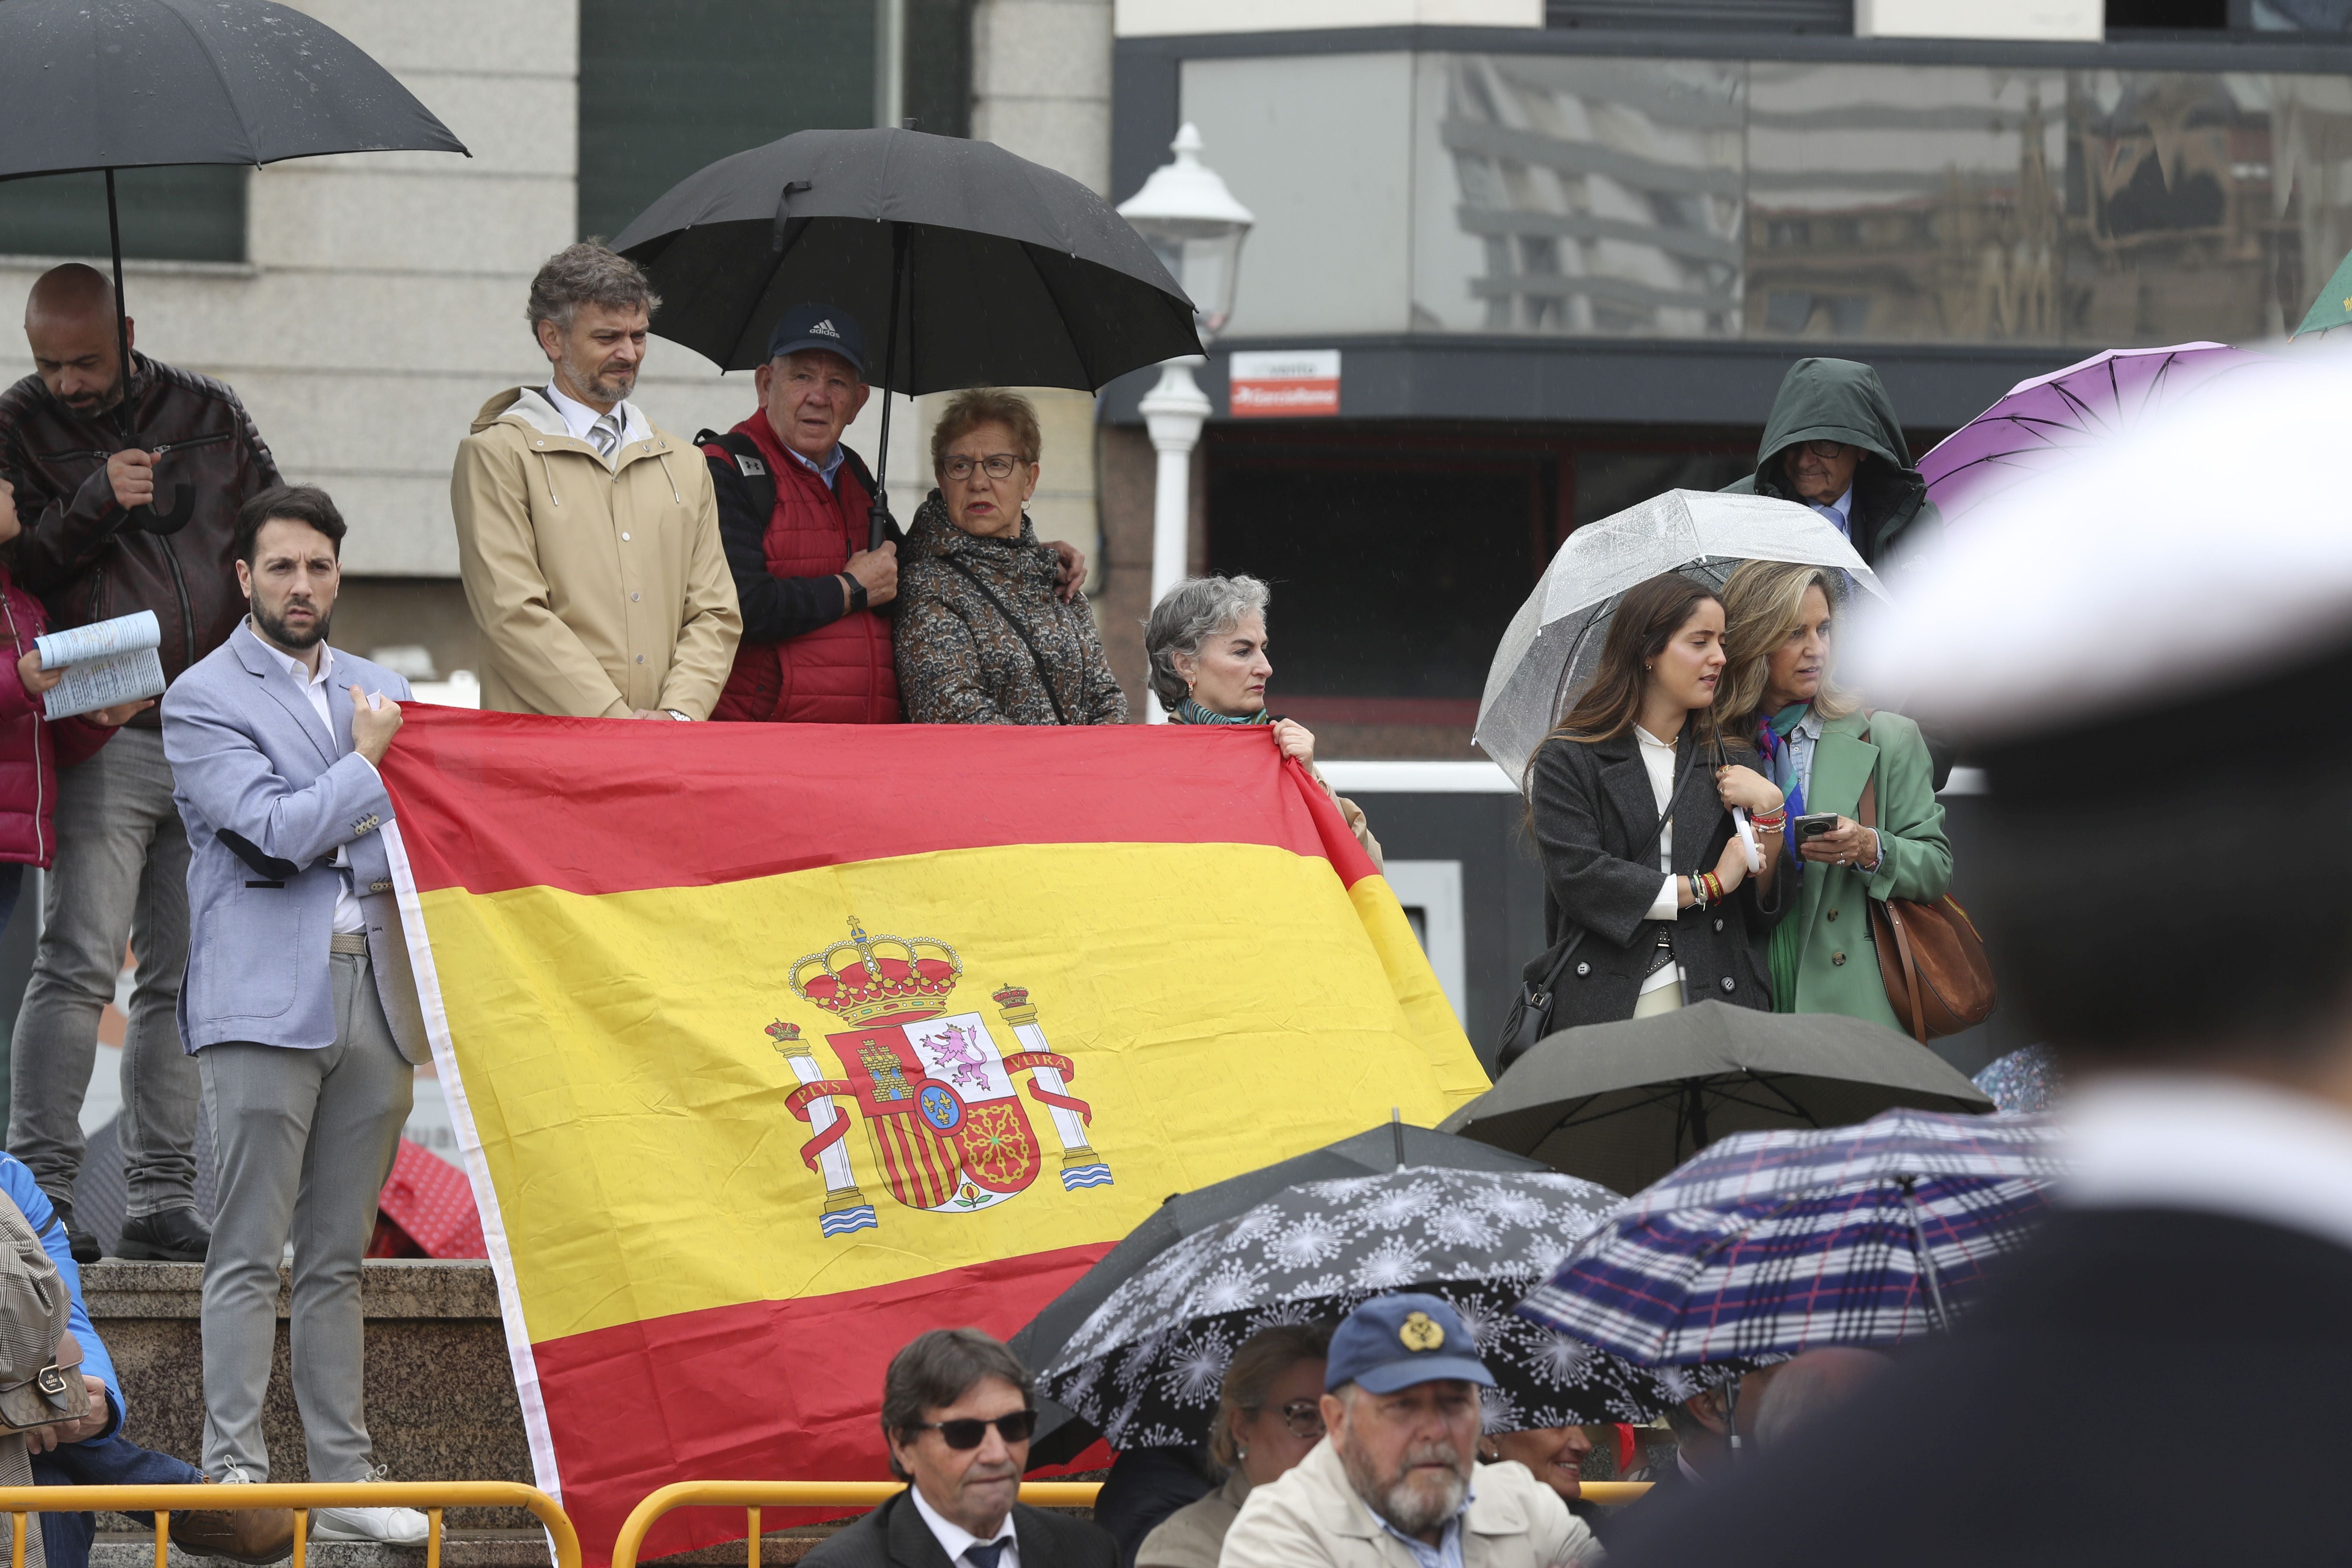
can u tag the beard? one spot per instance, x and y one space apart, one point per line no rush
1414 1499
286 636
592 378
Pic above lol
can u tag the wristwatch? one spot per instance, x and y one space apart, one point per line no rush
856 592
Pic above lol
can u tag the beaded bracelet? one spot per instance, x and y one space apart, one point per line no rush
1772 822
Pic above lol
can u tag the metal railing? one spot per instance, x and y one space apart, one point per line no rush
752 1495
301 1496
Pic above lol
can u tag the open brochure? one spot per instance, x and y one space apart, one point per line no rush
105 663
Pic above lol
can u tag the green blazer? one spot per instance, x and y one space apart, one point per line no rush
1838 968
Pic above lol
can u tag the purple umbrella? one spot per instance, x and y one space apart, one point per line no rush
2034 427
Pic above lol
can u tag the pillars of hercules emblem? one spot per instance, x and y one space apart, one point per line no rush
845 1208
1081 1166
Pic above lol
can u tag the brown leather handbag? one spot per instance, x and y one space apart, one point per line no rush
1930 957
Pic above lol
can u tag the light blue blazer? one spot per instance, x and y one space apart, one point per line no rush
269 796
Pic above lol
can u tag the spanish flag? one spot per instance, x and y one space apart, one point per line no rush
769 1046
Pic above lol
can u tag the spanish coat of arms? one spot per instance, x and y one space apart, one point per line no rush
942 1111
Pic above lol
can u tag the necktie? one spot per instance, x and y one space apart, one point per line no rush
984 1554
606 435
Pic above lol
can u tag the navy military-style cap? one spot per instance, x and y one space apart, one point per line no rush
1394 1341
819 327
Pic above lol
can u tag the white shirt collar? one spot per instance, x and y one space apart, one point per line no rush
579 418
2215 1142
294 666
953 1537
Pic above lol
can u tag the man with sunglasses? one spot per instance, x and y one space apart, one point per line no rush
1395 1483
957 1409
1834 444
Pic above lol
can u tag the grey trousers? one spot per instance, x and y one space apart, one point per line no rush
302 1141
121 872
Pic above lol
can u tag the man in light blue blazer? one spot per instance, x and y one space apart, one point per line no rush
297 973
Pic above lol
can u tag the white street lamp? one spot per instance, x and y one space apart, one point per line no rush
1197 227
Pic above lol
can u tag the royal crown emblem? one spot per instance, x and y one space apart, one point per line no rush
943 1113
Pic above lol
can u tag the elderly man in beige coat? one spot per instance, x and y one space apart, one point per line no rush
1396 1483
588 538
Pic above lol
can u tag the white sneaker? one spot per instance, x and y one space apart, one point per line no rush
397 1526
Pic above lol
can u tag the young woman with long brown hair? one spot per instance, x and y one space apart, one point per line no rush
1644 871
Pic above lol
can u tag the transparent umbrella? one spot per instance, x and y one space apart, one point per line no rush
1553 645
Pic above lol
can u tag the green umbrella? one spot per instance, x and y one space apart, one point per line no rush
2334 306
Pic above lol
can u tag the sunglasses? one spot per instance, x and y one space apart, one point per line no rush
967 1434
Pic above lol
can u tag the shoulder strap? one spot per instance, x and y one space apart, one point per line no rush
1045 678
751 467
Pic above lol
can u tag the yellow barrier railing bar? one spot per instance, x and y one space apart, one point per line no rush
18 1502
752 1495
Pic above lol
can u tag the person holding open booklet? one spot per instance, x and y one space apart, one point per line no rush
34 743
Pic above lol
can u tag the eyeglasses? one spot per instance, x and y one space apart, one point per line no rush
966 1434
997 465
1826 448
1303 1417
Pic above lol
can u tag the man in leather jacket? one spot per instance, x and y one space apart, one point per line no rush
121 514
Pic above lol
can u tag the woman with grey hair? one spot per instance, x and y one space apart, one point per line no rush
1206 645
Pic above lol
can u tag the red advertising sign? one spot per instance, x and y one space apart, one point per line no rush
1285 383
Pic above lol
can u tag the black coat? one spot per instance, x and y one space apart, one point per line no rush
2073 1420
895 1536
1593 812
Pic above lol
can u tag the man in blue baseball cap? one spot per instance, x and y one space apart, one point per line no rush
796 511
1395 1483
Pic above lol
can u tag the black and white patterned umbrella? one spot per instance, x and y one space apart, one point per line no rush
1145 1368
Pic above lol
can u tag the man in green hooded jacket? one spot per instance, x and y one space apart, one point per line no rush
1834 444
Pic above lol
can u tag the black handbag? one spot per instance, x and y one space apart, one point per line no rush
1529 1019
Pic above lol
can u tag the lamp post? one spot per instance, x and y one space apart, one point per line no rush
1197 227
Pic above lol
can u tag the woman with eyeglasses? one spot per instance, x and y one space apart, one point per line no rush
1269 1413
984 636
1834 445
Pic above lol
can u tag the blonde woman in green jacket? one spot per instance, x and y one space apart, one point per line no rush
1820 746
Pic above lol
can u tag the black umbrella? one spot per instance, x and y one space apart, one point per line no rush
124 84
984 267
1061 1436
1624 1103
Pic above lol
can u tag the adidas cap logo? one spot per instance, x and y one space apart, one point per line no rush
827 328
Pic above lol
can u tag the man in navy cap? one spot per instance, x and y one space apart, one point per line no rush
795 510
1395 1482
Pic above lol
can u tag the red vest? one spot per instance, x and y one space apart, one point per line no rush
842 672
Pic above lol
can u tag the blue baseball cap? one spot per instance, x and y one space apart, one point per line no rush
1394 1341
819 327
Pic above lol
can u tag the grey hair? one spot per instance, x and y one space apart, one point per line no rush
588 273
933 1370
1188 614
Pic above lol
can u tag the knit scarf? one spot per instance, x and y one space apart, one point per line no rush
1780 765
1190 712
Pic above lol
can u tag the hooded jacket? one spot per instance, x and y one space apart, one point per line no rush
599 589
964 641
1842 400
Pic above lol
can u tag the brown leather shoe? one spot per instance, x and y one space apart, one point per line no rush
253 1535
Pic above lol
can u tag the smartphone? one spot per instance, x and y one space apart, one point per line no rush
1814 824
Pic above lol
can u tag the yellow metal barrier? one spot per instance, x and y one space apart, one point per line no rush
752 1495
164 1501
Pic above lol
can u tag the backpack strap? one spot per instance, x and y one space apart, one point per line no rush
741 454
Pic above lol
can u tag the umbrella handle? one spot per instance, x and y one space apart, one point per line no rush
183 507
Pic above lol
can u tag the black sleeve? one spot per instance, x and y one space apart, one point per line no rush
1591 887
774 608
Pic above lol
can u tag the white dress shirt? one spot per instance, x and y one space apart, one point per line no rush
2215 1142
953 1537
348 918
1658 757
579 418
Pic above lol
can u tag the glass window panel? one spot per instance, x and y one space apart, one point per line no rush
1901 203
1592 197
190 212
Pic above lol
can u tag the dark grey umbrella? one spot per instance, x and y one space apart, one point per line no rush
1060 1434
124 84
970 266
1624 1103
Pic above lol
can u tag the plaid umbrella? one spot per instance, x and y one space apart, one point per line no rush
1781 1242
1146 1367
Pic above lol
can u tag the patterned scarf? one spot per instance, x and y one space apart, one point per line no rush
1780 767
1190 712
